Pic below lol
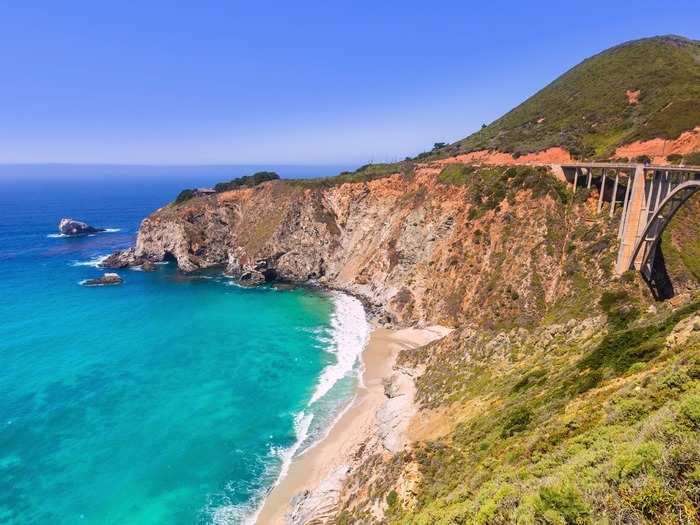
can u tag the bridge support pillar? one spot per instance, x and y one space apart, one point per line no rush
634 221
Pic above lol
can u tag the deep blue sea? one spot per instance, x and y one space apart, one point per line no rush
169 399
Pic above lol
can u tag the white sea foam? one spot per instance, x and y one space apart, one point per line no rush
93 262
349 334
247 514
62 235
346 339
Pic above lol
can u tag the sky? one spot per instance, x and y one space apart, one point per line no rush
293 82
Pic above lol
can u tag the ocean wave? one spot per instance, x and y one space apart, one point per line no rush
93 262
345 339
348 337
247 513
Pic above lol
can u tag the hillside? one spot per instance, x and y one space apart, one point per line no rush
636 91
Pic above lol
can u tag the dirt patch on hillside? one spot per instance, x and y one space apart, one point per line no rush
658 149
632 96
555 155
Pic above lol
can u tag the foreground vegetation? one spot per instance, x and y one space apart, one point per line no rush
595 423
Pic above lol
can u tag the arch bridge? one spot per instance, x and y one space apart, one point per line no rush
650 195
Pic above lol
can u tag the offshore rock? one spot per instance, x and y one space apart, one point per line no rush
122 259
74 228
106 280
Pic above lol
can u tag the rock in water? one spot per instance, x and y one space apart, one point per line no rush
73 227
122 259
106 279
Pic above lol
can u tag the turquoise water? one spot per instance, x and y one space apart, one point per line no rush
169 399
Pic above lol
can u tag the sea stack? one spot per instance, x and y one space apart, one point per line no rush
105 280
74 228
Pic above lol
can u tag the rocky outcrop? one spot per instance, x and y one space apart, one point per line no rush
74 228
397 410
319 505
106 280
423 251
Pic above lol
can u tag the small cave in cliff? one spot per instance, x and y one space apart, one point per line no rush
269 274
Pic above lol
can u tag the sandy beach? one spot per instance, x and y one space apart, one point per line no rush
319 472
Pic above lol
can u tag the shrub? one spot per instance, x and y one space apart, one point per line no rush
618 307
457 174
692 159
184 195
246 181
674 158
690 408
392 498
516 421
530 379
561 505
636 459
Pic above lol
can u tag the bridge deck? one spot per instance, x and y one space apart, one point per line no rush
632 166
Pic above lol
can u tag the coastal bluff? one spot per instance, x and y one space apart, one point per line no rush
418 249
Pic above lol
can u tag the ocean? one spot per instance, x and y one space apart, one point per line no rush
169 399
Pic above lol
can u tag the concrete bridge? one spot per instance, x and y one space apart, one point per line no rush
650 195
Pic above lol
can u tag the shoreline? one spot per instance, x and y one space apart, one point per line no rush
313 480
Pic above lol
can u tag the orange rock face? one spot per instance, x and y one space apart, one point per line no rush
658 149
497 158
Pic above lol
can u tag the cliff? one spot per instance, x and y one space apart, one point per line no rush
490 246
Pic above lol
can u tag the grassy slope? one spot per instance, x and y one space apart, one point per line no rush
586 109
584 424
579 431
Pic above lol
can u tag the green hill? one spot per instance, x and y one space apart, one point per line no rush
587 110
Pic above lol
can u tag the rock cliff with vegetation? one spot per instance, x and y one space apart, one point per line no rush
565 394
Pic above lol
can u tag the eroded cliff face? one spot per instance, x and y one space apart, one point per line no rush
500 248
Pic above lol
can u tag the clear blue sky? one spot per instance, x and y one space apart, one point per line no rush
286 82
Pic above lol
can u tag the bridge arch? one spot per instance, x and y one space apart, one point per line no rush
647 244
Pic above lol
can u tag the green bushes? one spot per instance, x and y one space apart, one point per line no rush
690 408
516 421
185 195
530 379
241 182
246 181
457 174
561 504
366 173
619 308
